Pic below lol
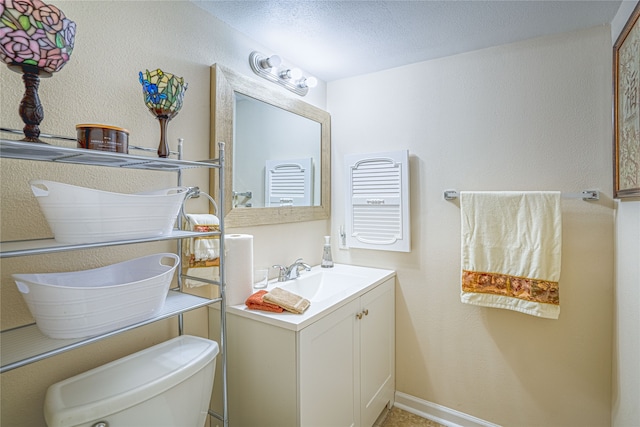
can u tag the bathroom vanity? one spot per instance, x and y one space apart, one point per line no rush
333 365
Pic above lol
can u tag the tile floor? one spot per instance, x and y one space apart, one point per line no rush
399 418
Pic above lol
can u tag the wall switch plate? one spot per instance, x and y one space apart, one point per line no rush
342 238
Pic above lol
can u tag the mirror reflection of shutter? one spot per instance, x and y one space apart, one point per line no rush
378 201
288 182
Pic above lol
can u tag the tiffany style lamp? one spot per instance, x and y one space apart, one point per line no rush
36 40
163 95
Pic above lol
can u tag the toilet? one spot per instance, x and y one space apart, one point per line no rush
168 384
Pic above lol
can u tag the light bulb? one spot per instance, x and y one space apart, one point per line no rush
270 62
295 73
311 82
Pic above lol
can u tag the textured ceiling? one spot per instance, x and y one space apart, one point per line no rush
338 39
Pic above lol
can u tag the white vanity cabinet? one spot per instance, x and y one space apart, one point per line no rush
336 370
347 362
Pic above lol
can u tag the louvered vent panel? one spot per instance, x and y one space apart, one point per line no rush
377 223
378 201
375 178
288 182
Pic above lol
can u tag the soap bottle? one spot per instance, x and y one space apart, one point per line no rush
327 261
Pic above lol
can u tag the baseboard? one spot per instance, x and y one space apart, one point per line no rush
438 413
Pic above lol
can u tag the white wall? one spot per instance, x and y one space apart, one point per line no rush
533 115
625 397
525 116
115 40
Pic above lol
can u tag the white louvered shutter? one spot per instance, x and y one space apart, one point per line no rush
378 201
288 182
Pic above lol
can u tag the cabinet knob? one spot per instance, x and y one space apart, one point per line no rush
366 311
359 315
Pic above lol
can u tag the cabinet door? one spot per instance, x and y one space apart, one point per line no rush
328 370
377 351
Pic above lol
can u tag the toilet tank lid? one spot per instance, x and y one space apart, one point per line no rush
128 381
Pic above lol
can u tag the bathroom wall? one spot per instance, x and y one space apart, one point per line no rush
625 410
534 115
115 40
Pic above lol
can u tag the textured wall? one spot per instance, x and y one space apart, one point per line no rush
625 410
100 84
533 115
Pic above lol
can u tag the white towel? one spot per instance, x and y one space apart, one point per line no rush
203 248
511 251
202 253
211 273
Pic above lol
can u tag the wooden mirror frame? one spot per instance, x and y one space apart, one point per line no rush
224 82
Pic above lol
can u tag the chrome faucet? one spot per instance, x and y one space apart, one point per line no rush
291 272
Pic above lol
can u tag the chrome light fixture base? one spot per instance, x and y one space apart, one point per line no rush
260 65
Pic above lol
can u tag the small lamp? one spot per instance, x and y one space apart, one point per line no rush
163 95
36 40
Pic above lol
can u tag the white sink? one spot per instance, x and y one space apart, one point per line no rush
321 284
325 288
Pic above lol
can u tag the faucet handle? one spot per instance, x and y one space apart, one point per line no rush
299 262
282 272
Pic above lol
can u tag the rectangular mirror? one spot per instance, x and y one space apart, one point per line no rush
277 152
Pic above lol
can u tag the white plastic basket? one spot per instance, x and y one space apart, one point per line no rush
84 303
84 215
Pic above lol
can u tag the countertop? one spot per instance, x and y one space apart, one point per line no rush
371 277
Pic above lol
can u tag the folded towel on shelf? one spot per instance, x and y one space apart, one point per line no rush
202 250
202 254
210 273
511 251
256 302
287 300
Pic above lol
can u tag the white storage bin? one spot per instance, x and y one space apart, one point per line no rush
90 302
84 215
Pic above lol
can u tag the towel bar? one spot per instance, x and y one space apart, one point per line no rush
586 195
193 193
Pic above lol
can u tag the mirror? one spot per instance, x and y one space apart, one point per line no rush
270 138
276 156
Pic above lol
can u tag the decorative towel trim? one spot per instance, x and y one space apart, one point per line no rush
193 262
542 291
203 228
204 263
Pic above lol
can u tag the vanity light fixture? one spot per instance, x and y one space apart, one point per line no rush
290 78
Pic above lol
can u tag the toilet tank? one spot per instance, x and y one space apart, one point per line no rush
168 384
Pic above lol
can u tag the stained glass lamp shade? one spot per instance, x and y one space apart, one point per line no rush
36 39
163 94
